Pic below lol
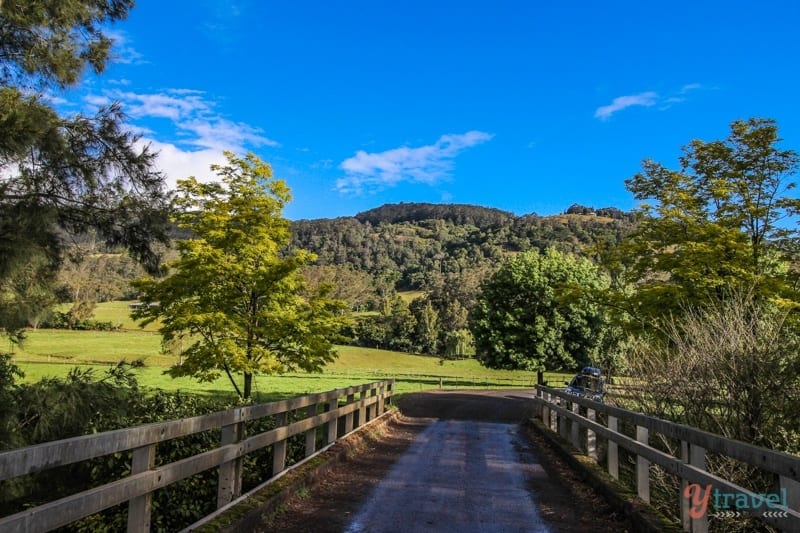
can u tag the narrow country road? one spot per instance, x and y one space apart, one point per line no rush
456 476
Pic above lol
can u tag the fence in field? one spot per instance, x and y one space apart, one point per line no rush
322 413
578 419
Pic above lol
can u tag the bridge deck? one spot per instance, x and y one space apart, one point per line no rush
457 462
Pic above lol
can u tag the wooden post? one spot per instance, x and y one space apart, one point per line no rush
333 425
792 489
311 434
361 417
591 437
546 409
642 467
613 450
279 448
381 397
230 473
348 418
695 456
576 427
562 420
143 459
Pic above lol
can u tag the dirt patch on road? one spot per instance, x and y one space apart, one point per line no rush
564 502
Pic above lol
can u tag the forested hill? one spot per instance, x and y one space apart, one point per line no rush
459 214
415 244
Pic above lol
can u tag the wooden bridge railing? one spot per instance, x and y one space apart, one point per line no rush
355 405
567 414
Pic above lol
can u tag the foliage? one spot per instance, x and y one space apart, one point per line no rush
416 245
458 214
89 273
82 403
75 321
360 290
731 368
722 221
66 174
528 317
9 373
235 295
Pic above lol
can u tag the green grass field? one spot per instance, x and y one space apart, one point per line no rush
114 312
54 352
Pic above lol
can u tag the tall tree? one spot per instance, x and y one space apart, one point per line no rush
236 294
67 174
529 317
722 220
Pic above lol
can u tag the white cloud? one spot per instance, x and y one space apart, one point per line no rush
619 103
161 105
192 115
646 99
177 163
221 134
202 134
690 87
122 51
425 164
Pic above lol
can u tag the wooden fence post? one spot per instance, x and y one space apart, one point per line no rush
792 489
642 467
695 456
143 459
348 418
333 424
613 450
562 419
279 448
591 438
311 434
230 473
361 415
546 409
576 427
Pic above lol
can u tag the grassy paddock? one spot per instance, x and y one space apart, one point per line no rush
116 312
54 352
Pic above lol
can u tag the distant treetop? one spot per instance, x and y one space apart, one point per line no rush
456 213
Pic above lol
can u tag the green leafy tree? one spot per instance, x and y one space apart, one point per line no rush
427 327
722 221
530 317
236 293
67 174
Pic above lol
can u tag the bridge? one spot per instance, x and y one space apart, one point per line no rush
454 461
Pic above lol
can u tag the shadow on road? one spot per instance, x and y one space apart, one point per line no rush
489 406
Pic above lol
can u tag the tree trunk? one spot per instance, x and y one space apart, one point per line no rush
540 377
248 385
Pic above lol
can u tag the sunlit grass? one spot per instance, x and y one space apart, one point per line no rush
54 352
117 312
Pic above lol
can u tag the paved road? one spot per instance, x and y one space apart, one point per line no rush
457 476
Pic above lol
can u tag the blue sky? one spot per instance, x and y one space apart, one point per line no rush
527 106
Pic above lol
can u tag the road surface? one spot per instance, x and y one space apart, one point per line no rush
456 476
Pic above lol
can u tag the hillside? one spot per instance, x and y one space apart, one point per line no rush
414 244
